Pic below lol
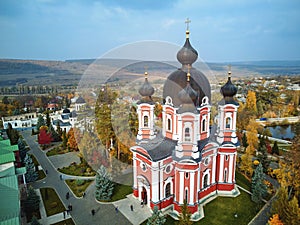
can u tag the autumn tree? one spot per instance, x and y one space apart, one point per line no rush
12 134
44 138
246 165
72 143
275 220
288 210
252 138
251 102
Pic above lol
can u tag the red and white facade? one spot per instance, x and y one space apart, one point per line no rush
188 159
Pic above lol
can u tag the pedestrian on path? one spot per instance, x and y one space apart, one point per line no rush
116 208
93 212
67 195
131 208
46 171
68 211
60 177
83 194
64 213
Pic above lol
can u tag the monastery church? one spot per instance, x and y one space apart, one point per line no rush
189 159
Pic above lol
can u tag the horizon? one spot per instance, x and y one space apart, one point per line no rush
221 31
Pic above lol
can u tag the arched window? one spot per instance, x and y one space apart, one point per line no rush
169 124
187 134
168 190
186 194
146 122
225 176
203 125
228 122
205 181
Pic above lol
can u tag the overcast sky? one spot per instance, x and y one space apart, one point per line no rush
221 30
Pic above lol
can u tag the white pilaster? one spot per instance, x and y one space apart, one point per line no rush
192 182
181 187
221 171
231 166
214 162
134 171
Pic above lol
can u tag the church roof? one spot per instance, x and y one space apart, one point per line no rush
80 100
159 147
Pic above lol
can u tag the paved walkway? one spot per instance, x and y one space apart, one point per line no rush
81 213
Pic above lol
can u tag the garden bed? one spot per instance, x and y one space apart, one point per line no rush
52 202
78 186
82 169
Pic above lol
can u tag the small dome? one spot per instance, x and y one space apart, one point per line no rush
80 100
187 55
228 90
146 89
187 95
66 110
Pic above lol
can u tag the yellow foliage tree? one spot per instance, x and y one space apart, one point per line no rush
251 102
251 135
275 220
246 164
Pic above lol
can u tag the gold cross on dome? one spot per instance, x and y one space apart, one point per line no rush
146 72
187 21
188 75
229 70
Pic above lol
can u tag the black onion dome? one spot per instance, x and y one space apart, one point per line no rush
187 55
146 89
66 110
187 95
228 90
176 82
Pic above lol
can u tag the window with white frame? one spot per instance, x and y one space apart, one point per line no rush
146 121
168 190
225 176
203 125
169 124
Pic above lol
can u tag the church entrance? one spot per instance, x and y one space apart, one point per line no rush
144 196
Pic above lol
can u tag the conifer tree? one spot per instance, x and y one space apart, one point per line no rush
185 215
55 136
259 188
275 149
32 202
31 175
12 134
48 119
244 140
22 149
104 184
263 158
293 212
34 221
280 204
157 218
58 129
40 122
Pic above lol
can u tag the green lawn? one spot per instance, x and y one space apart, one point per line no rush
242 181
52 203
120 191
78 186
65 222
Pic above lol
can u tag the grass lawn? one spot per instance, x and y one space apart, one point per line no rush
120 191
78 170
78 186
242 181
42 174
65 222
221 211
52 203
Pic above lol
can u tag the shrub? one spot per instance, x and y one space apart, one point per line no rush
79 182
